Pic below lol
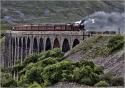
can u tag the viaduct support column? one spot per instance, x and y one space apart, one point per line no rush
15 55
31 46
21 50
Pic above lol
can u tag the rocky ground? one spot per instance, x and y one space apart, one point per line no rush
113 63
75 85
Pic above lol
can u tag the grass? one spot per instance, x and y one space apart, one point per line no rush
98 46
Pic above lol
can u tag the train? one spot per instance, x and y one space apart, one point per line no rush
48 27
77 26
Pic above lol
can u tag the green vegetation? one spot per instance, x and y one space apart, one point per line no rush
116 81
102 84
116 43
47 68
6 79
99 46
3 28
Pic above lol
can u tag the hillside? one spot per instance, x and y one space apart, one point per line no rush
85 65
98 50
54 11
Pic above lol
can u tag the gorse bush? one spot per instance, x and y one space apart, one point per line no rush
35 85
102 84
116 43
47 68
116 81
7 79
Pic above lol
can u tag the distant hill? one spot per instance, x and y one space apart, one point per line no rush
54 11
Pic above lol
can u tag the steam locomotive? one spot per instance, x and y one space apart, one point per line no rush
50 27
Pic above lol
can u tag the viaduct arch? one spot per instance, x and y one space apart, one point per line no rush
75 42
48 45
56 43
65 46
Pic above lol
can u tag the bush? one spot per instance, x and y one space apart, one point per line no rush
116 43
86 63
31 58
7 80
34 75
67 75
35 85
98 69
49 61
44 69
2 35
86 81
117 81
56 52
102 84
76 74
107 77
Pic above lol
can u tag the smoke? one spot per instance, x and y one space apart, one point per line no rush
15 15
8 19
19 13
102 21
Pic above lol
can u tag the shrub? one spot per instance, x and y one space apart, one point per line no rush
67 75
44 69
56 52
116 43
2 35
34 85
49 61
102 84
76 74
107 77
86 63
23 82
86 81
86 70
7 80
31 58
117 81
94 78
33 74
98 69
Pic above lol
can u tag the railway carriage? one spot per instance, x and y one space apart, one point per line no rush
47 27
59 28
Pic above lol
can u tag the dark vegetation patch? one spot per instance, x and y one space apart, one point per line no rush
47 68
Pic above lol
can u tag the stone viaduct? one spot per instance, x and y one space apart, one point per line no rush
20 43
23 40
